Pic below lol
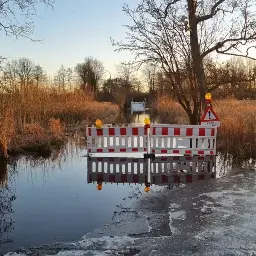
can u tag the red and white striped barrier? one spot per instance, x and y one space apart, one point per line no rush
159 171
169 139
117 139
161 179
117 170
188 140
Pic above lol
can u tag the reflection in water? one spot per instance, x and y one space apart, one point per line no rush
7 196
158 171
48 200
126 117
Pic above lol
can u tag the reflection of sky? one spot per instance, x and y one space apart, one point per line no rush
56 202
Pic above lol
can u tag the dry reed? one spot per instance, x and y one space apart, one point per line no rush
237 133
36 116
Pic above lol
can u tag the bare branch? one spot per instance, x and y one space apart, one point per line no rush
167 8
237 55
214 11
219 45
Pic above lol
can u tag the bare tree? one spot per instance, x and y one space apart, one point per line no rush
39 74
180 34
15 16
69 77
61 78
90 73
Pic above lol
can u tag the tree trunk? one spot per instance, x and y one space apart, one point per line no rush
195 50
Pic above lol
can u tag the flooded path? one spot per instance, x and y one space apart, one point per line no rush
48 200
56 202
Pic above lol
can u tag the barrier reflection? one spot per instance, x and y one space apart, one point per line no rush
157 171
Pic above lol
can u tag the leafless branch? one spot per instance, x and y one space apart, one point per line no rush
214 10
167 8
237 55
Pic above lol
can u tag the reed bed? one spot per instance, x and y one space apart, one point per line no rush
237 133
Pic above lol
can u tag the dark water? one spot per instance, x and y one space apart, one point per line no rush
50 200
47 200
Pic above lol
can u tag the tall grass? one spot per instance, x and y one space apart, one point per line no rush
37 115
237 133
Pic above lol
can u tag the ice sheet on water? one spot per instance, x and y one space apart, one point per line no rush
14 254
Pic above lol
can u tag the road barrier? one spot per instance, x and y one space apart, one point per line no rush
117 139
157 139
158 171
188 140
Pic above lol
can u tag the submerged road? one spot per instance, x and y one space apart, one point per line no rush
214 217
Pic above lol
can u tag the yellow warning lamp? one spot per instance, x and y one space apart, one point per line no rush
147 189
99 187
98 124
208 97
147 122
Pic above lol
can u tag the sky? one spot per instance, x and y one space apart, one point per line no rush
70 32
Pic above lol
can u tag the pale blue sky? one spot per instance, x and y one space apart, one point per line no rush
72 31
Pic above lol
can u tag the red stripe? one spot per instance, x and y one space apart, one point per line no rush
188 158
200 152
145 150
164 179
201 157
111 131
189 178
124 178
201 131
99 150
90 131
163 158
135 178
164 131
135 149
123 131
99 132
201 177
122 149
154 130
99 177
164 151
153 150
89 150
145 131
111 150
176 131
112 178
189 132
212 132
135 131
211 152
176 179
176 151
189 152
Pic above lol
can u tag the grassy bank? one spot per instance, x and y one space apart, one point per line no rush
237 134
37 120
